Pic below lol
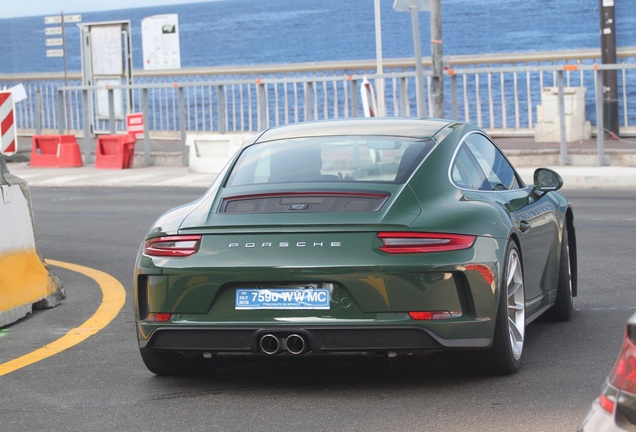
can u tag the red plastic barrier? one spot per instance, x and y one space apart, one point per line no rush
115 151
56 151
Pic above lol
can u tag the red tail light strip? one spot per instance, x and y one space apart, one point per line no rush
410 242
607 404
430 315
158 317
173 246
623 375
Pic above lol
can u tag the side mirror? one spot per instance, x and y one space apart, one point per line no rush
546 180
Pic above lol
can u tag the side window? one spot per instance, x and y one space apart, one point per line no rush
466 172
498 171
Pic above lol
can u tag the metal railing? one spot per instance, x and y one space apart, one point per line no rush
499 93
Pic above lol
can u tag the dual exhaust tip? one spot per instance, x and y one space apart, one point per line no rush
272 344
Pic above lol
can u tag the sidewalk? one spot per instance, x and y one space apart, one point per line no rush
524 153
575 177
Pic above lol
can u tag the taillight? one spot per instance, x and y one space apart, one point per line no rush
606 403
410 242
623 375
158 317
173 246
430 315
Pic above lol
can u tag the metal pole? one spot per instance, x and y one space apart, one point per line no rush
182 127
379 83
437 58
61 115
261 97
419 78
86 142
111 111
600 136
144 112
65 73
454 107
608 56
563 156
38 112
309 101
220 102
405 107
353 88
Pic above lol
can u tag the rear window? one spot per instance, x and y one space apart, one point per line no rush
330 159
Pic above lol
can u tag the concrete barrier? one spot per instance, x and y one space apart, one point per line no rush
26 281
208 153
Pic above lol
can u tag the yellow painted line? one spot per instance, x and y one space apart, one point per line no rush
113 298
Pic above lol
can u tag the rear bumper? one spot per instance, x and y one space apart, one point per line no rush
319 340
597 419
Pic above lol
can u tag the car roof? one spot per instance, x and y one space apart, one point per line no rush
415 128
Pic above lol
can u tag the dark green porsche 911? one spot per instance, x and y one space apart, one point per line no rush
360 236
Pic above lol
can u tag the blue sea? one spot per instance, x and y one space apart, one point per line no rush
247 32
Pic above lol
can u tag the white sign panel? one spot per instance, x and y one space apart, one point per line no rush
57 19
19 93
103 85
54 42
49 31
55 53
106 50
160 42
72 18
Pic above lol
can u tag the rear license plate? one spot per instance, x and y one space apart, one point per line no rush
282 298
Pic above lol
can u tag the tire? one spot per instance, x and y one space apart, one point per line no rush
506 353
168 363
563 306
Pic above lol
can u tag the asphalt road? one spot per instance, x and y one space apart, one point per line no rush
101 384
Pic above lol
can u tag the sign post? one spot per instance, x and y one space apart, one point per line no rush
414 6
60 19
434 7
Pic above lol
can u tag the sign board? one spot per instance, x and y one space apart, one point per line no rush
7 124
57 19
19 93
405 5
55 53
107 50
101 95
50 31
160 42
135 123
54 42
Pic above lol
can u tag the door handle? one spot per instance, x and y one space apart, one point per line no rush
524 226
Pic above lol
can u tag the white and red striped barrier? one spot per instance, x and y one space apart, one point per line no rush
369 104
7 124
